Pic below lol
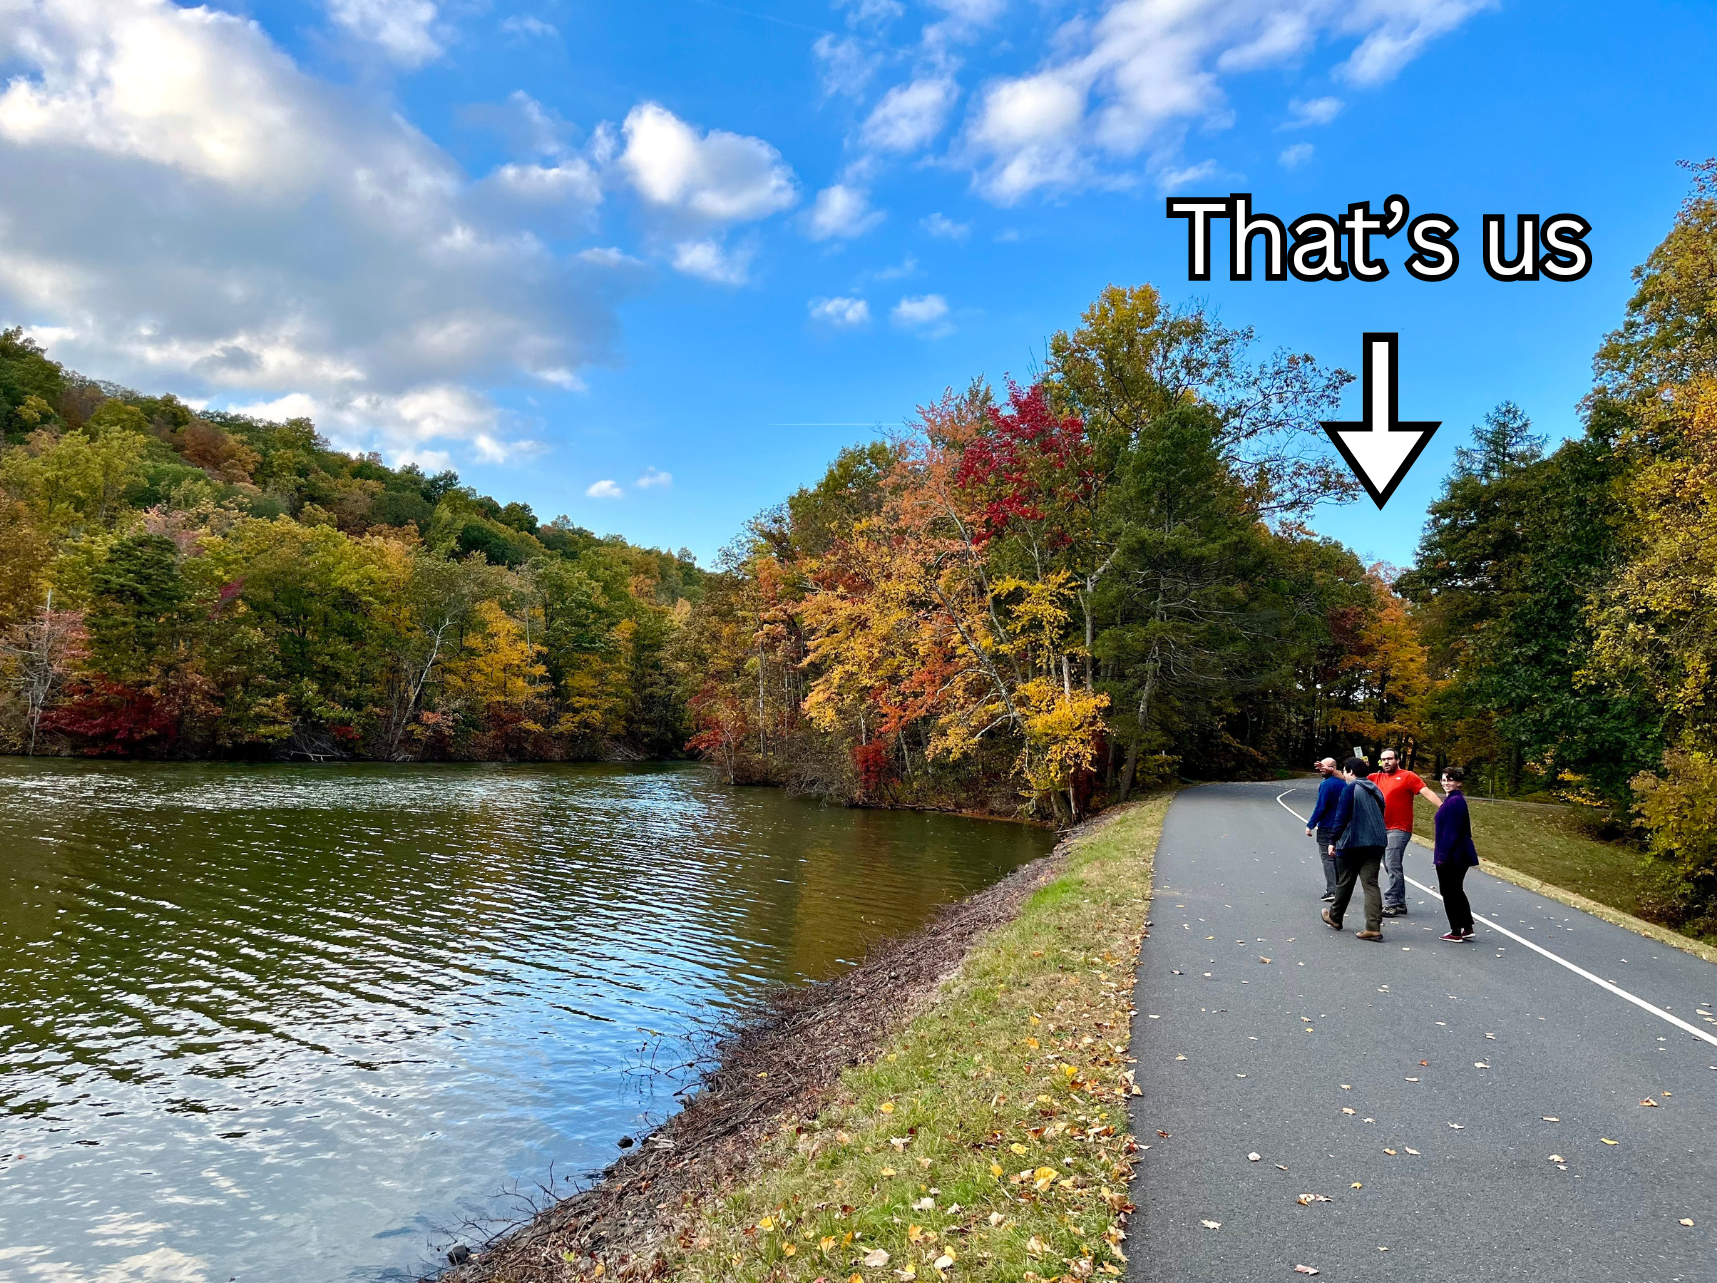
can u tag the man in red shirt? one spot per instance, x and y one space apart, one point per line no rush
1399 788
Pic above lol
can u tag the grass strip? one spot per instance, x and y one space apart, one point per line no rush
988 1140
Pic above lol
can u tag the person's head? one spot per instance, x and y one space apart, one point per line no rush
1325 767
1453 776
1356 768
1387 761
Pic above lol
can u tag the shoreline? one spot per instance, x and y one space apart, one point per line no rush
783 1070
780 1069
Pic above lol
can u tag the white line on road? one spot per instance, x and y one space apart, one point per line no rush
1659 1012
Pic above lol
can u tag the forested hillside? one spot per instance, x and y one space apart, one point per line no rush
177 582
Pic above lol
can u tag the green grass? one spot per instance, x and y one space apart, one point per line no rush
1549 842
992 1130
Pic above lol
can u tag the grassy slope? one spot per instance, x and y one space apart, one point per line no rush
993 1129
1547 842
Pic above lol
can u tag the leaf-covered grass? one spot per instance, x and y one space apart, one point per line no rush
989 1139
1550 843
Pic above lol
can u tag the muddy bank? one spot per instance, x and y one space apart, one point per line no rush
775 1068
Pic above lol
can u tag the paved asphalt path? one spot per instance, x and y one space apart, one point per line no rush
1337 1050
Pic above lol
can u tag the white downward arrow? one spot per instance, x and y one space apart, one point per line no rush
1380 448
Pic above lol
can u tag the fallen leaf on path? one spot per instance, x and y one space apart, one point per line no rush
887 1106
766 1224
1390 1152
1035 1246
1017 1147
1306 1200
1424 1062
1305 1269
1263 960
789 1249
944 1261
1356 1185
1649 1103
1412 1151
1460 1127
900 1142
1180 1057
1557 1158
1347 1086
1253 1158
1346 1110
888 1171
1551 1118
1608 1141
996 1218
826 1242
1687 1221
1212 1225
1481 1064
1492 1037
1280 1168
1164 1135
1412 1080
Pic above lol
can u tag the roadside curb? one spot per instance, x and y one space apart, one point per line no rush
1639 926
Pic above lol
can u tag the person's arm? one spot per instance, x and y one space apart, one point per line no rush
1343 813
1318 810
1431 793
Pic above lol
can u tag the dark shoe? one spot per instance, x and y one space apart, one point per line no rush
1329 897
1330 922
1457 936
1368 935
1394 910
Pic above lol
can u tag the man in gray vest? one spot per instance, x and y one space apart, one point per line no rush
1358 846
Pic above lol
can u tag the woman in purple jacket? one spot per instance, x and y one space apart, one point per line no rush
1453 853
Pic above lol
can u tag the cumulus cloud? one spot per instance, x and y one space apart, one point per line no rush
1295 156
843 313
654 478
604 490
279 235
1129 82
844 66
940 225
926 313
909 116
712 261
841 212
1319 111
719 176
524 24
401 29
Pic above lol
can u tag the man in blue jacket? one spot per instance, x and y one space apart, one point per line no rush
1319 822
1360 837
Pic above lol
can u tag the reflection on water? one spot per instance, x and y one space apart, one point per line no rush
293 1022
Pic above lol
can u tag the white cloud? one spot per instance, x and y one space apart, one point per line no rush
402 424
718 175
1132 80
927 313
712 261
910 116
280 236
844 66
401 29
843 313
604 490
654 477
1319 111
939 224
523 24
1295 156
1189 175
841 212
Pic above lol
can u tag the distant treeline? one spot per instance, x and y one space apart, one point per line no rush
176 582
1048 598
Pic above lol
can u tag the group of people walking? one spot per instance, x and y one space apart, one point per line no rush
1362 824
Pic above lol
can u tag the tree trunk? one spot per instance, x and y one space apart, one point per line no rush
1128 770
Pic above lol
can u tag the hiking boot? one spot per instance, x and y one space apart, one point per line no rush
1368 935
1330 922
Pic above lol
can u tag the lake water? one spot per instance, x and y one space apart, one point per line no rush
278 1022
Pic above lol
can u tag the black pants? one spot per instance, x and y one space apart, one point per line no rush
1358 864
1450 877
1324 838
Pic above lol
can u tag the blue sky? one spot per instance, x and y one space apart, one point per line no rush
690 249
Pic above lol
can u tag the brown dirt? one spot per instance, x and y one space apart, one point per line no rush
776 1067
